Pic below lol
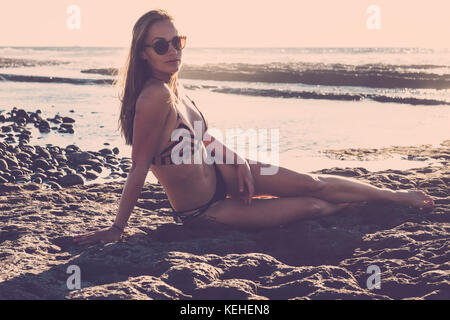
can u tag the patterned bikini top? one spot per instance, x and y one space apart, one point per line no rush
164 157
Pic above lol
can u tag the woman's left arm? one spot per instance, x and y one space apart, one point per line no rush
246 183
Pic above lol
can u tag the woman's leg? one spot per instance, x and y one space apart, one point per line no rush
288 183
265 213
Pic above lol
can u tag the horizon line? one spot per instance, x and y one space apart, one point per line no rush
235 47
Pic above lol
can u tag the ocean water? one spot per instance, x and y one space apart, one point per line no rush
314 98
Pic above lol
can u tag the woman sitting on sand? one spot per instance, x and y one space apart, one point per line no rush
154 103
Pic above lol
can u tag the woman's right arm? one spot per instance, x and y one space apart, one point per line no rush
152 109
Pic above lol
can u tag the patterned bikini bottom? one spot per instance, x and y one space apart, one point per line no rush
220 194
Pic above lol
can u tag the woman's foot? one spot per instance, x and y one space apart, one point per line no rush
415 199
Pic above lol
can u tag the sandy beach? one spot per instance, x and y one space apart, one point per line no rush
157 258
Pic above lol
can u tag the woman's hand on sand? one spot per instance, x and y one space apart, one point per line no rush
103 236
246 183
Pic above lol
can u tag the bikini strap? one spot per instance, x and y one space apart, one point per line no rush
198 208
204 120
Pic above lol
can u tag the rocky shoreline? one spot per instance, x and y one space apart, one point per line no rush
157 258
18 63
373 76
51 166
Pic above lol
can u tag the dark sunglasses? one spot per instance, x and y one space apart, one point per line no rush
162 46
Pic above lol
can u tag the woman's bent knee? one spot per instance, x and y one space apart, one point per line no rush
313 207
313 184
264 212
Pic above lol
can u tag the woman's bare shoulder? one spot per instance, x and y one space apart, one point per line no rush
155 91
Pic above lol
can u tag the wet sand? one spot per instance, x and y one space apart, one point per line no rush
326 258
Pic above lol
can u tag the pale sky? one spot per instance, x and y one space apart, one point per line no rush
235 23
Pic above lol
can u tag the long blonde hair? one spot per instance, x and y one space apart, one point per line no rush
135 73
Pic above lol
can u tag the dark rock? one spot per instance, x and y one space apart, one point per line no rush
54 185
72 148
8 187
78 157
105 152
6 129
91 176
71 180
3 165
41 163
67 120
228 289
44 126
31 186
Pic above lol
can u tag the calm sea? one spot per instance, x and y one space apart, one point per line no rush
316 98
